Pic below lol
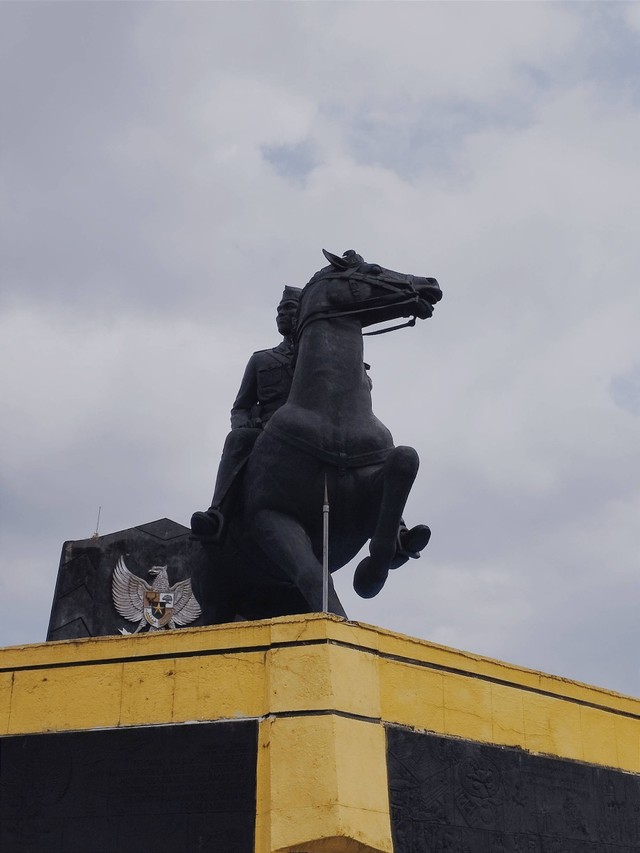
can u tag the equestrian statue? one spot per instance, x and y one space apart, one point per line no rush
262 538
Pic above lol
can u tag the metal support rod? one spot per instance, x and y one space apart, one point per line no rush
325 549
97 533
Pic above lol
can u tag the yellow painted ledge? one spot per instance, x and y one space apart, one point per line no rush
305 664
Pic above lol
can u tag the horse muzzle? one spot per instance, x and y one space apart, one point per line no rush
423 309
429 293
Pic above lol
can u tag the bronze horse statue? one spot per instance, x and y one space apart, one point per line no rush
269 563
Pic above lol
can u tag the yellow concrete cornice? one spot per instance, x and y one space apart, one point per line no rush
322 690
267 636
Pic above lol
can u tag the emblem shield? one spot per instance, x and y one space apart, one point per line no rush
153 606
158 607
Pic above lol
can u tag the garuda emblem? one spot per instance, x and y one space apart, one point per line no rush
156 605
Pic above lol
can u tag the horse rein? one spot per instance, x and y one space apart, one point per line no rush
353 277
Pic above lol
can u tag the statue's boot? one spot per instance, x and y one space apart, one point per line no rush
410 543
237 448
208 525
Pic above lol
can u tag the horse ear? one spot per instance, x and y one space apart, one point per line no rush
335 261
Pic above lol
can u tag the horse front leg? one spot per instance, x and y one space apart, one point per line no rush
391 544
211 585
287 543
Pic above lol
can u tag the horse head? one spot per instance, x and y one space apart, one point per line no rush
351 287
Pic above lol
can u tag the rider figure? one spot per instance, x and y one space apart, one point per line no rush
264 388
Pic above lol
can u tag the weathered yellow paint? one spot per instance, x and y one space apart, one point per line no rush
411 695
467 707
67 698
220 687
601 745
320 677
507 727
552 726
627 743
306 664
139 705
6 691
322 786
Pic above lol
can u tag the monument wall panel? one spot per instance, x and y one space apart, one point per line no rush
159 789
456 795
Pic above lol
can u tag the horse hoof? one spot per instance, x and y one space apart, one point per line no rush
415 539
367 581
410 543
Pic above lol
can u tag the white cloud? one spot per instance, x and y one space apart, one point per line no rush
472 51
237 113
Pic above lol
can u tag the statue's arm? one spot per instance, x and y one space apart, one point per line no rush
247 396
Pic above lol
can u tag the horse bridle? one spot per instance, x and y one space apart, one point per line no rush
353 277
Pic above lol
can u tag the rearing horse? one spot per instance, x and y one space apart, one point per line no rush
270 561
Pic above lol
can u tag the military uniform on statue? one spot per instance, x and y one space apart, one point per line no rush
264 388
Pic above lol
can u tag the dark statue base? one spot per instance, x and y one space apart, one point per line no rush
463 797
83 600
160 789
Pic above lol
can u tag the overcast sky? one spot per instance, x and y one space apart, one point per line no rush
168 167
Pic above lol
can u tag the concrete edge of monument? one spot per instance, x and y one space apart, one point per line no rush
308 733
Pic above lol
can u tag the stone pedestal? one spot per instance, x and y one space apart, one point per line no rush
307 734
83 600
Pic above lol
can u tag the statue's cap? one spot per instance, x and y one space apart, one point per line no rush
291 293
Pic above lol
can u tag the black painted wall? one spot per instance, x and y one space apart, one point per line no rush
157 789
455 796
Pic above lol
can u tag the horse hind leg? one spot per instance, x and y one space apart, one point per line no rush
285 541
386 549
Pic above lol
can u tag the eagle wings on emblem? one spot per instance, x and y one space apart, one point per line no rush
156 605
